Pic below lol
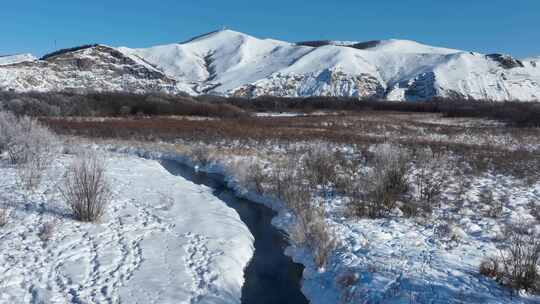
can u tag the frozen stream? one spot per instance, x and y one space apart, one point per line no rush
271 276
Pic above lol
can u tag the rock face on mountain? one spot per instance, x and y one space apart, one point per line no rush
231 63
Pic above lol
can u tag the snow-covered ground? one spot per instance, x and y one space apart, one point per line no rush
432 259
399 260
169 240
163 239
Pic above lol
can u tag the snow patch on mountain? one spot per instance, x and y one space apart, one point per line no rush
12 59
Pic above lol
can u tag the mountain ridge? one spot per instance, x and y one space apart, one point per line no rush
231 63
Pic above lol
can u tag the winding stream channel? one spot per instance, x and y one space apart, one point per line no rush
271 277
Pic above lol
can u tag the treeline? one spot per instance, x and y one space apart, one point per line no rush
112 104
63 51
515 113
521 114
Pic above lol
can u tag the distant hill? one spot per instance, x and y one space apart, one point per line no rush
232 63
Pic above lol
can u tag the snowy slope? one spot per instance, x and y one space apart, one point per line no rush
225 59
163 240
475 76
232 63
532 62
11 59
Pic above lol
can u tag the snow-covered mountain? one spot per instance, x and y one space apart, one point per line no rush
232 63
18 58
87 68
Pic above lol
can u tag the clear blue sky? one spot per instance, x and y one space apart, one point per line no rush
478 25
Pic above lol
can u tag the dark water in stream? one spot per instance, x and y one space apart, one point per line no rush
271 277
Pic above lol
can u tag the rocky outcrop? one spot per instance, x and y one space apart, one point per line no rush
87 68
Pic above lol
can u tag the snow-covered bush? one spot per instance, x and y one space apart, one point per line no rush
86 189
517 266
312 230
29 174
320 165
320 237
430 176
249 173
386 183
4 216
46 232
200 154
494 206
291 184
283 180
8 121
534 209
25 138
28 144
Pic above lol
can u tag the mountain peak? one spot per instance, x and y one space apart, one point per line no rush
218 34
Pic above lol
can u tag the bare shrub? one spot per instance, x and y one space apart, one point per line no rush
460 196
346 281
534 209
298 234
310 228
517 265
29 174
494 206
491 268
446 229
85 188
255 177
322 239
249 174
284 178
296 194
386 184
316 232
46 232
320 166
7 131
4 217
200 154
431 174
290 185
